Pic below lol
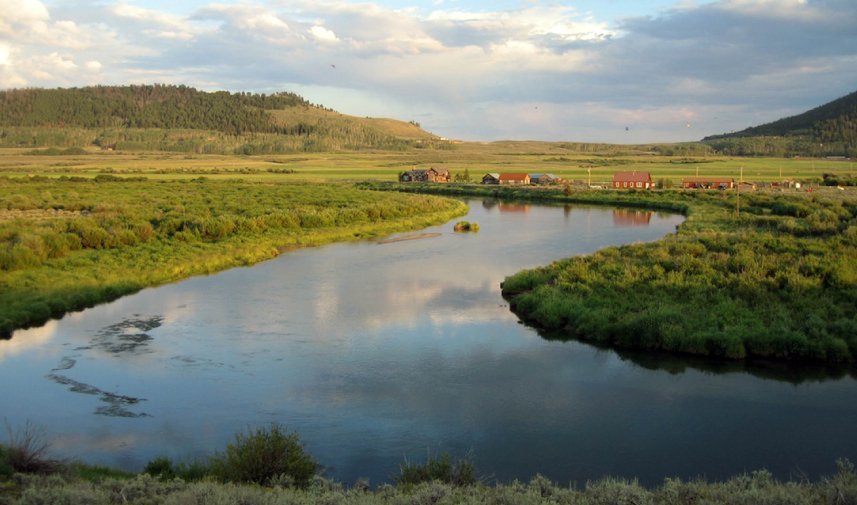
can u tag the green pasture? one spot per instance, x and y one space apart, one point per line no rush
476 158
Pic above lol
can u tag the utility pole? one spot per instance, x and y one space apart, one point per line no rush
738 194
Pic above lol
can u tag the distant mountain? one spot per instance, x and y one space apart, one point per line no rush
828 130
279 122
834 121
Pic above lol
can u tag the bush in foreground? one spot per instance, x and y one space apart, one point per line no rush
263 456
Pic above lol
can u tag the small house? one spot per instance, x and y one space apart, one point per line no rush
437 175
414 176
544 179
429 175
627 180
491 179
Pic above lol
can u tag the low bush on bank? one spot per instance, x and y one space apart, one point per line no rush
264 456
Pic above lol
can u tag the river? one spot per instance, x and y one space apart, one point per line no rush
379 352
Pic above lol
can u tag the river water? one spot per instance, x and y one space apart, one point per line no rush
377 352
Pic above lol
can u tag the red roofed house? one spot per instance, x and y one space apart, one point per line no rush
627 180
514 178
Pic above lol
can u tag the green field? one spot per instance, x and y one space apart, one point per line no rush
567 161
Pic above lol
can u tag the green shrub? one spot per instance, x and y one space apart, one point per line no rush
163 468
160 468
263 454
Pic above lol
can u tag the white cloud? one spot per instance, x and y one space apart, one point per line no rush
323 34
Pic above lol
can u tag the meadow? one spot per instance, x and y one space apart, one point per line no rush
581 163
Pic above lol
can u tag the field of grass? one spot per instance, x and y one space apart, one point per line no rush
69 243
477 158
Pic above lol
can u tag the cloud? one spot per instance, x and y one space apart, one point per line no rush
469 74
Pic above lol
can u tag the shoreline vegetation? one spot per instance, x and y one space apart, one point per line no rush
67 244
755 275
269 465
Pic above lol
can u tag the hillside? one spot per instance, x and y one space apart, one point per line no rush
180 118
827 130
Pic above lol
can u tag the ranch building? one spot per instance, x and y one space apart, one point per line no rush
627 180
429 175
491 179
514 179
544 179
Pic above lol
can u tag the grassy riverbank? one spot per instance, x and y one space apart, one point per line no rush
776 280
269 466
71 243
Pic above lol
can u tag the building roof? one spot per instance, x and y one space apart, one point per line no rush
495 176
707 179
632 177
514 177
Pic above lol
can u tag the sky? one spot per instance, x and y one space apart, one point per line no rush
618 71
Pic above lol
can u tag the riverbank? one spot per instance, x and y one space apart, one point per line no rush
751 488
269 465
769 276
68 244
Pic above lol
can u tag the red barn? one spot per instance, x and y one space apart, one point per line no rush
627 180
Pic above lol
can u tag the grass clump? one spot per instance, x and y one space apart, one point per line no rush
165 469
265 456
442 468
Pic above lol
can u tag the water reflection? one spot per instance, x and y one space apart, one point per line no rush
629 217
677 364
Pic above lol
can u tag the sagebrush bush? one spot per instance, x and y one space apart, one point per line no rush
263 454
27 451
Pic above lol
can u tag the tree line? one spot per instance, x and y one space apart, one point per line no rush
148 106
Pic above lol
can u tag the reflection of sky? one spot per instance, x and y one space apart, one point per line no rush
377 351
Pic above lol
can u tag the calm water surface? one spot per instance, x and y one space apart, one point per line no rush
377 352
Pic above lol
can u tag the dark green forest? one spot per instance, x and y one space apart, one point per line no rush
148 106
828 130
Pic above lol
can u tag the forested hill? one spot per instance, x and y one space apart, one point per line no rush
181 118
835 121
828 130
147 106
